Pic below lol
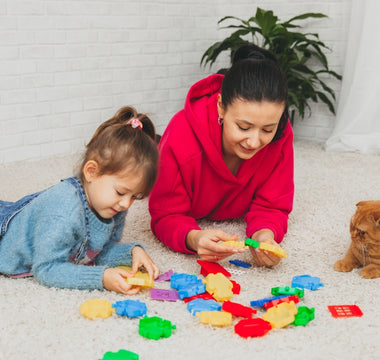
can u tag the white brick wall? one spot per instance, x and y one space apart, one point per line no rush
68 65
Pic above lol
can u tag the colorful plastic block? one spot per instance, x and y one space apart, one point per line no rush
303 316
241 263
163 294
307 282
238 309
263 301
219 286
165 276
155 327
208 267
204 296
215 318
140 278
96 308
287 290
130 308
181 280
276 302
235 287
281 315
232 243
338 311
120 355
252 327
199 305
192 289
250 242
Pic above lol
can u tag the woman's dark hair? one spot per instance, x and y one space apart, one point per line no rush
117 145
255 75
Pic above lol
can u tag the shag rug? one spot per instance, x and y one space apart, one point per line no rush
37 322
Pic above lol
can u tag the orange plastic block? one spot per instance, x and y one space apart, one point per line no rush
239 244
276 250
140 279
219 286
215 318
97 308
281 315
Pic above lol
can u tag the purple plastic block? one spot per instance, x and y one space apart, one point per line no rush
165 276
162 294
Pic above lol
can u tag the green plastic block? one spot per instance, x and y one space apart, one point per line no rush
155 328
120 355
251 242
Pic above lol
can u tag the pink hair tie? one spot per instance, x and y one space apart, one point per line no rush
135 123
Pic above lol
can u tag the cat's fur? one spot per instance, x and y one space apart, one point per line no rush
364 249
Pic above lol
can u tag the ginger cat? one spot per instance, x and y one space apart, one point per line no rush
364 249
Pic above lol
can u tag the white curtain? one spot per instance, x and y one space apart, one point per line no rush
358 114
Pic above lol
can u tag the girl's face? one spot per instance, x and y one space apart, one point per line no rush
109 194
248 126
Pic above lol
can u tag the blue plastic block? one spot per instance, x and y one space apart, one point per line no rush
181 280
241 263
199 305
192 289
261 302
130 308
307 282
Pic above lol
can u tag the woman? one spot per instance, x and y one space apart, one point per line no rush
227 154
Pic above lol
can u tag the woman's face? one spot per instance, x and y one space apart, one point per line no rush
248 126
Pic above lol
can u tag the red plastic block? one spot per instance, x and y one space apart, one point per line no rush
238 309
252 327
208 267
235 287
287 299
205 296
338 311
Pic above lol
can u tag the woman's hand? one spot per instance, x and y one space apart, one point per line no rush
264 258
206 244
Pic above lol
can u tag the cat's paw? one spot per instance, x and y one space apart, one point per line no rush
342 265
371 271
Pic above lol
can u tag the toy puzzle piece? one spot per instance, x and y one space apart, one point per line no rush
215 318
165 276
140 278
155 327
130 308
276 250
96 308
281 315
252 327
204 296
238 309
276 302
219 286
199 305
162 294
237 244
181 280
287 290
338 311
303 316
238 262
120 355
263 301
208 267
306 282
192 289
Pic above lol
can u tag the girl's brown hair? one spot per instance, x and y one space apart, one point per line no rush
116 145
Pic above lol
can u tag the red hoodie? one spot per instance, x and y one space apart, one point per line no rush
194 182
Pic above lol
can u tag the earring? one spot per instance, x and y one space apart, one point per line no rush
220 120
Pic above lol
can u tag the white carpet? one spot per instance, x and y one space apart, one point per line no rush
45 323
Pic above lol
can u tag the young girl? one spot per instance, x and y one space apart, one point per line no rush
56 234
227 154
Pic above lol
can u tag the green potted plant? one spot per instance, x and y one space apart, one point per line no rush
301 56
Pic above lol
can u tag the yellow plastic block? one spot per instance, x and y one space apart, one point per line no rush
273 249
239 244
219 286
97 308
281 315
140 279
215 318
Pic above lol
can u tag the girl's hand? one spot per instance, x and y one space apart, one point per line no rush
264 258
141 258
206 244
114 280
